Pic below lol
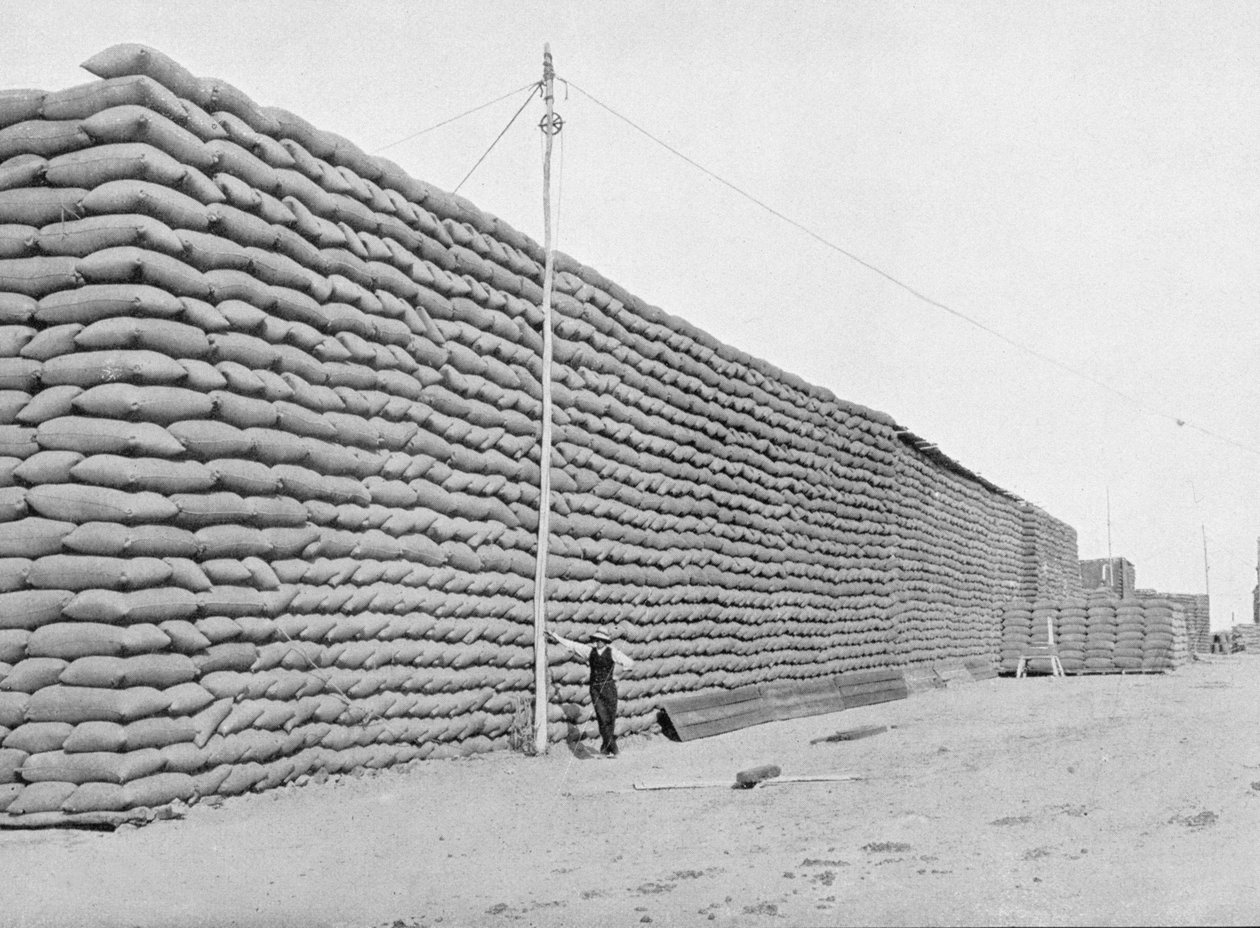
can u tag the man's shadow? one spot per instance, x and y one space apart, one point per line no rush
573 737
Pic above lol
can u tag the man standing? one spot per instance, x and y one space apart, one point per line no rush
601 656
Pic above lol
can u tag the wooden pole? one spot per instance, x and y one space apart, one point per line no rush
1207 587
775 781
1111 564
541 740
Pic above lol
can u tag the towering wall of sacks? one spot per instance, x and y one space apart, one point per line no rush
959 555
733 523
269 466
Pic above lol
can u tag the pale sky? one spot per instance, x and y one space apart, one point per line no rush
1081 177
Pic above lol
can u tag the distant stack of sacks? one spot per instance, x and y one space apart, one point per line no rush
1133 634
1017 633
1198 615
1167 642
1033 574
269 469
1050 565
1071 633
1245 638
1099 634
1139 638
1063 571
1027 625
1199 624
958 561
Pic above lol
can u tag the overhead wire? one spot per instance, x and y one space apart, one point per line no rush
1146 407
503 132
536 86
446 122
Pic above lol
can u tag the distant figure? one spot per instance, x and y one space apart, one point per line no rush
601 656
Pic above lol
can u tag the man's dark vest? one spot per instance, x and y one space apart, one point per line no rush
601 666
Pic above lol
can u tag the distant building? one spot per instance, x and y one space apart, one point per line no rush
1108 573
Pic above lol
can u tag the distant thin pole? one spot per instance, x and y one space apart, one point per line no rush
1111 564
549 127
1109 524
1207 589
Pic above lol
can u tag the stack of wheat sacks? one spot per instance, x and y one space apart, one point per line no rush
269 466
1098 633
958 561
734 527
1051 568
1245 638
1198 616
239 545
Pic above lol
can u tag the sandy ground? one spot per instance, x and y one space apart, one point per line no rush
1111 799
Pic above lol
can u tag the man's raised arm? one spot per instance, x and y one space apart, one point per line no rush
583 651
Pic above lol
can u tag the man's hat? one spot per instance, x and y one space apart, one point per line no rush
602 634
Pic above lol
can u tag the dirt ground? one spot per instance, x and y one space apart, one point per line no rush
1096 800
